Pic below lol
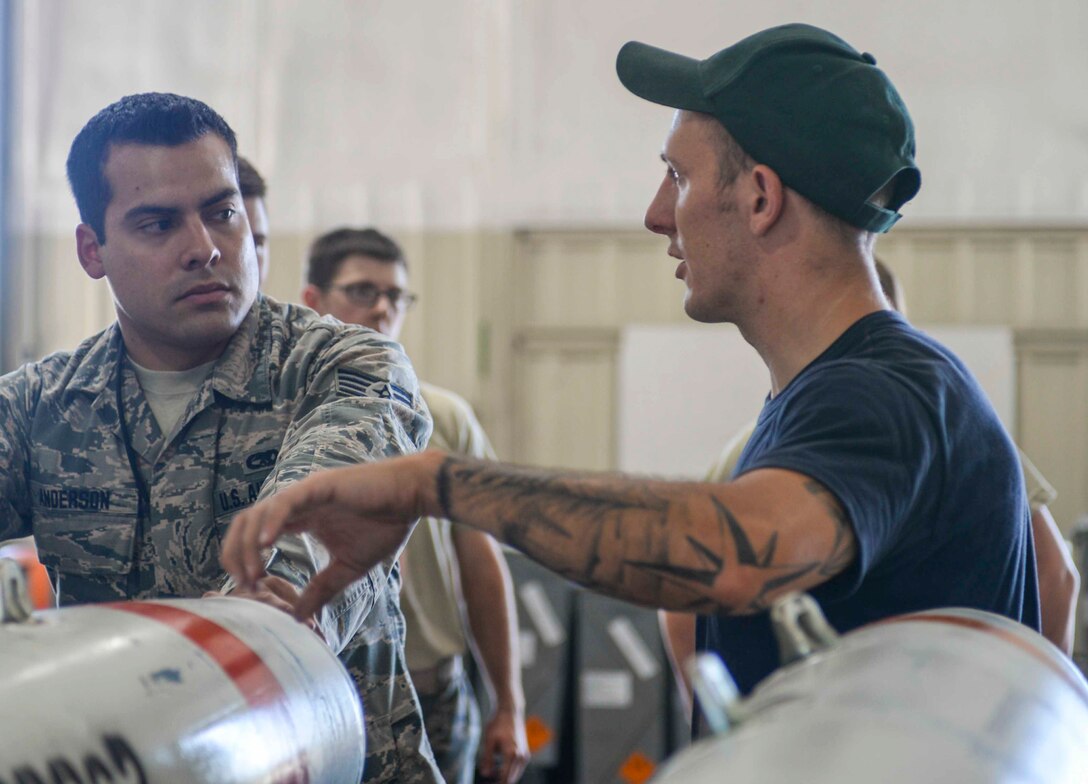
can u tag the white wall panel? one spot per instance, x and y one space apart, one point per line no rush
565 388
684 390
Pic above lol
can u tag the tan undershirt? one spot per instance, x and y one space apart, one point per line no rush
168 392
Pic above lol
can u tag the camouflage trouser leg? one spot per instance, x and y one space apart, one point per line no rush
397 751
452 718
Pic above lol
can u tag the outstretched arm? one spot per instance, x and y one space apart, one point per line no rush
678 545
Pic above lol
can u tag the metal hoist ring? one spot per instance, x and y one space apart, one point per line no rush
15 604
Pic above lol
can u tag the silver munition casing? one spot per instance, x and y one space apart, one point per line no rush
193 691
942 696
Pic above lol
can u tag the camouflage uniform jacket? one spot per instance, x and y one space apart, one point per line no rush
291 394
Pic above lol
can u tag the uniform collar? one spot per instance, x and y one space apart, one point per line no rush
242 373
101 358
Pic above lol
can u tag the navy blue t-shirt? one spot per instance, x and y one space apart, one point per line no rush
895 426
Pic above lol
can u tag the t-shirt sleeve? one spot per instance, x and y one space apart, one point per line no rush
869 440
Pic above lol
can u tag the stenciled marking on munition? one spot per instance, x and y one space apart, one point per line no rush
169 675
116 763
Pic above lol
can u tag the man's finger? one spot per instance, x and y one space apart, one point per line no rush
486 764
517 767
252 549
280 587
506 771
284 511
257 528
252 535
492 760
266 598
287 592
236 549
323 587
519 759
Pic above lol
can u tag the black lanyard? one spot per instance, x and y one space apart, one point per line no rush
143 504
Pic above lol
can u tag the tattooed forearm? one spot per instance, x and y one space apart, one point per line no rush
595 530
672 544
746 554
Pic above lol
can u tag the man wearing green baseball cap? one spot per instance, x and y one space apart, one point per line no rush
878 477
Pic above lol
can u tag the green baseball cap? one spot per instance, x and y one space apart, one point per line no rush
802 101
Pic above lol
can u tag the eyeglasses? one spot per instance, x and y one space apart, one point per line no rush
367 295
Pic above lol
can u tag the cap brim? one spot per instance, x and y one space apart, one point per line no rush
663 77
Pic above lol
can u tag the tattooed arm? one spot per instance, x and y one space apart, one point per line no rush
678 545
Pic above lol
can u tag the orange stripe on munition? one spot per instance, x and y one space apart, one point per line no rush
242 665
257 684
995 631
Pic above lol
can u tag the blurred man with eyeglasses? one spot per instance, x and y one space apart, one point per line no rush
360 276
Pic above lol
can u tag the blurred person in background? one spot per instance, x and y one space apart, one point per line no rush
254 189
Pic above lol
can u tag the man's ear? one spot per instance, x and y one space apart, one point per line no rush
767 199
89 251
311 297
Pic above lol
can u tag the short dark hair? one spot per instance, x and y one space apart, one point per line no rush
250 181
732 159
330 249
160 119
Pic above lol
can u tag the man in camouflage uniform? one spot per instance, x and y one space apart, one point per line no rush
127 458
